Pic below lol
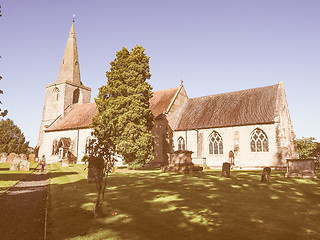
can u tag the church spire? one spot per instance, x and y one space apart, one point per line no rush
69 68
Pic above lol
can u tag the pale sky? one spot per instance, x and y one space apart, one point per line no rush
214 46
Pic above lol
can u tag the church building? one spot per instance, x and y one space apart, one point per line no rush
252 127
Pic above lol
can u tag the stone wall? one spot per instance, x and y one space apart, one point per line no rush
285 135
176 107
236 139
78 143
163 134
58 98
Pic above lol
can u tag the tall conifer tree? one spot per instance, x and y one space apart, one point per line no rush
124 121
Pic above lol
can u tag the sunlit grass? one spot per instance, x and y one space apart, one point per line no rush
156 205
9 178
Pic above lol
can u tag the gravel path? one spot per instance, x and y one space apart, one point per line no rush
22 209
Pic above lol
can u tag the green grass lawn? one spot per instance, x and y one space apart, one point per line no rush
9 178
156 205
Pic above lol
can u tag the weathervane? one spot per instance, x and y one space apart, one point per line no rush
73 17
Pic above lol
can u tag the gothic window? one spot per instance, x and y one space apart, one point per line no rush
56 93
55 147
259 141
181 144
215 143
76 94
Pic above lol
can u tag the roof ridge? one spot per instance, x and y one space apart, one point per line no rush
244 90
166 89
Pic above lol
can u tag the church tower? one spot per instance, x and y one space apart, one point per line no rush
67 90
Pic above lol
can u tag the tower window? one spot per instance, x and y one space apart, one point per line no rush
76 94
56 93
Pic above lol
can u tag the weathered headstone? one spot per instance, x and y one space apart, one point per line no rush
24 166
95 174
65 162
14 166
266 174
23 156
3 157
301 168
32 157
225 169
11 157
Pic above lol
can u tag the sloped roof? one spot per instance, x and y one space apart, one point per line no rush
78 117
246 107
81 115
161 100
64 142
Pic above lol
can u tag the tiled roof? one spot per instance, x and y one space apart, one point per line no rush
64 142
80 116
161 100
252 106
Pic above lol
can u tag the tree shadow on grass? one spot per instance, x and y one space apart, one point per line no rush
175 206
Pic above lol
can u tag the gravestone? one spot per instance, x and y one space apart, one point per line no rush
65 162
24 166
15 163
301 168
266 174
32 157
23 156
11 157
95 174
3 157
225 170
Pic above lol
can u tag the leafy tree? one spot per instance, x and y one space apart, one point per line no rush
12 139
307 147
101 163
124 121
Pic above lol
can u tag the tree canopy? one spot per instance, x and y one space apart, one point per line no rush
308 147
12 139
124 121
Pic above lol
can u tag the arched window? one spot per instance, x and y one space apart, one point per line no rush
55 147
76 94
56 93
181 144
215 143
259 141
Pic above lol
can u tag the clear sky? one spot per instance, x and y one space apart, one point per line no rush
214 46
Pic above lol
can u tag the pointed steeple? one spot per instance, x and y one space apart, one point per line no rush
69 69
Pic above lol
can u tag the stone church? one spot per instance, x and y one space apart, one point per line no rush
252 126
